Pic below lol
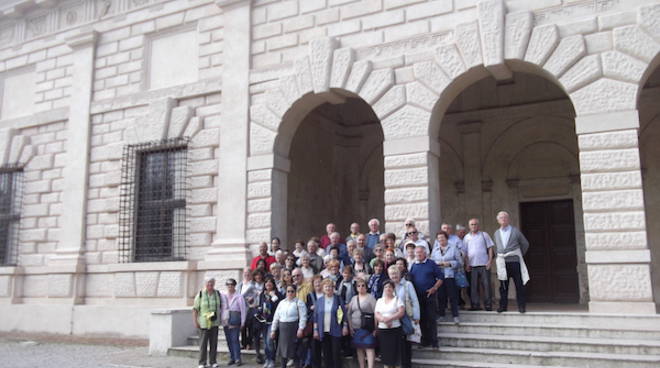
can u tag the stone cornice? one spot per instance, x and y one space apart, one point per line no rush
226 3
84 39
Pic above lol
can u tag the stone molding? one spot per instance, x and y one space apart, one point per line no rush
16 148
164 120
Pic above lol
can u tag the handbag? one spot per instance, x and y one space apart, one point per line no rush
461 280
366 319
416 336
407 325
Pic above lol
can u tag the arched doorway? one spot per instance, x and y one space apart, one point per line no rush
511 145
336 172
649 136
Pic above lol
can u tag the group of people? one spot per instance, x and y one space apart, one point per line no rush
360 296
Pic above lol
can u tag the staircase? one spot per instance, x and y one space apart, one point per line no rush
534 339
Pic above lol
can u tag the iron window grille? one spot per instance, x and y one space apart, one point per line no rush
11 198
153 194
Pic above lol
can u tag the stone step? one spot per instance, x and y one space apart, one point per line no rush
491 328
544 344
649 322
249 356
436 357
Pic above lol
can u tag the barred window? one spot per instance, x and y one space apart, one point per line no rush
152 218
11 194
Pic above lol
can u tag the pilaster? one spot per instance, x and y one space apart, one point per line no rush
617 254
471 137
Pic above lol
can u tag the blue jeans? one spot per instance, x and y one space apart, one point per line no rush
231 335
269 344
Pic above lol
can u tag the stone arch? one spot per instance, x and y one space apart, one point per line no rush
17 149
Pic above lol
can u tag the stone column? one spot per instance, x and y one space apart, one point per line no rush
617 254
67 266
412 187
471 137
228 249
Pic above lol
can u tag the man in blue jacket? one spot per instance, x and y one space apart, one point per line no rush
427 278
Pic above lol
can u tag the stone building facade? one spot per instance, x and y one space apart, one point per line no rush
293 113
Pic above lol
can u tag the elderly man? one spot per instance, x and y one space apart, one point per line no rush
263 254
461 231
453 238
355 231
478 261
206 316
511 246
427 278
415 236
325 239
374 233
367 252
335 242
315 259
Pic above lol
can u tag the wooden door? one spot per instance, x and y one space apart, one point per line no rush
552 258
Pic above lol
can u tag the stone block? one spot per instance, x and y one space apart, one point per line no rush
491 24
203 225
59 285
209 137
170 284
605 95
428 9
420 96
258 175
585 71
259 205
359 73
620 283
408 121
266 30
626 221
648 18
261 139
377 83
309 6
381 20
404 211
406 177
282 9
617 200
634 41
618 19
258 220
608 140
450 60
327 16
342 60
403 195
542 42
569 50
394 99
5 286
405 161
609 160
362 8
257 235
617 65
146 284
616 240
468 42
344 28
518 27
303 76
407 30
611 180
41 162
431 75
320 61
259 190
178 121
282 42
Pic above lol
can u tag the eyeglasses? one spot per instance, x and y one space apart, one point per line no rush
412 233
290 291
361 285
230 284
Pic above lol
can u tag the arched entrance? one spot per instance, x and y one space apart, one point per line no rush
336 173
511 145
649 136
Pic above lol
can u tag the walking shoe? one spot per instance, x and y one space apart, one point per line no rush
201 366
489 309
231 362
501 309
290 363
239 363
475 309
456 320
522 309
215 365
260 359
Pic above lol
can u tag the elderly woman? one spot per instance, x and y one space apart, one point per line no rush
306 267
206 316
330 324
362 324
317 292
405 292
289 319
389 310
234 312
268 301
450 260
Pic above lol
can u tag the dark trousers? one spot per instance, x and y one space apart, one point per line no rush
331 347
428 320
317 349
257 332
248 329
512 271
480 275
208 344
448 291
406 352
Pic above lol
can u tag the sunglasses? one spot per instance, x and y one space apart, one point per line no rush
230 284
290 291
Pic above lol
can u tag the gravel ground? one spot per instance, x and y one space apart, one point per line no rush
20 352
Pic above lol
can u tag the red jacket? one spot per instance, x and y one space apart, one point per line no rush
269 261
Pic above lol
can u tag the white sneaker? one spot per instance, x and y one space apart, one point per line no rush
201 366
215 365
289 363
457 321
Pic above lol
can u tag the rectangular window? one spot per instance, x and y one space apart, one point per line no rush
10 213
152 221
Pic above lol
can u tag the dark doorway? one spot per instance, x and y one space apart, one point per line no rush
552 261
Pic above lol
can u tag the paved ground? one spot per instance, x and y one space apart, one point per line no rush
51 353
